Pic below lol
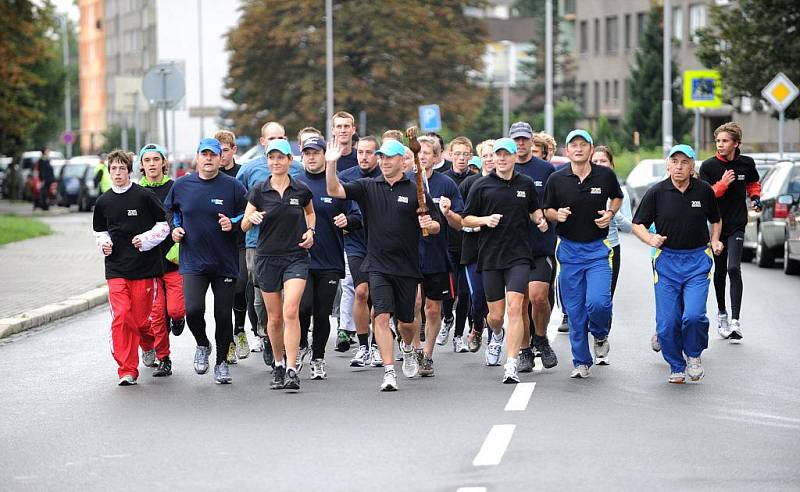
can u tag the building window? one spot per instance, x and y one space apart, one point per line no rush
597 36
569 7
616 91
677 24
640 20
697 19
627 31
612 34
584 95
584 34
596 98
607 92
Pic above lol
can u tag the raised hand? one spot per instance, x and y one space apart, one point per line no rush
334 151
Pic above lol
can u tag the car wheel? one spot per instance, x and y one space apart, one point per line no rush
790 267
764 257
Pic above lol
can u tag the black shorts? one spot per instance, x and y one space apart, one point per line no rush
394 295
542 270
512 279
437 286
273 271
359 277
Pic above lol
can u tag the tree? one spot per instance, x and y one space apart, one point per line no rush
489 123
643 112
389 58
749 41
112 138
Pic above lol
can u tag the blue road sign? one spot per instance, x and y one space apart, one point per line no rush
243 141
430 118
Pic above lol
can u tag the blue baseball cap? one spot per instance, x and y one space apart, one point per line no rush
391 148
579 133
211 144
683 149
474 161
315 142
152 148
281 145
506 144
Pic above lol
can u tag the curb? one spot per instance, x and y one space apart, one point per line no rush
52 312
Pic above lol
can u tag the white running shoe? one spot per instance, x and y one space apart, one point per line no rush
736 332
377 360
581 372
601 348
444 332
362 357
510 373
723 328
389 381
654 343
458 345
410 362
318 369
127 380
694 368
149 358
494 349
677 378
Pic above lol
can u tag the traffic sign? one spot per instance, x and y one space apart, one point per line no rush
204 111
243 141
164 85
780 92
702 89
68 137
430 118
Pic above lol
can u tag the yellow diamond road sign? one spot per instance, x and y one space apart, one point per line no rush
780 92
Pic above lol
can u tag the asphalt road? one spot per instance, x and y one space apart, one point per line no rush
66 425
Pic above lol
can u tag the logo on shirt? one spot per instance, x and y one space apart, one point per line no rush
228 280
538 184
595 191
132 213
740 177
402 199
696 204
326 199
216 201
436 199
294 201
332 282
521 194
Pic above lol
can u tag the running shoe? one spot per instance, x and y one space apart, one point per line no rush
164 368
449 322
231 357
410 363
292 381
564 326
458 345
694 368
302 355
177 326
601 348
268 356
736 332
580 372
444 332
426 368
510 373
494 349
318 369
723 327
242 345
222 374
474 340
377 361
677 378
343 340
127 380
525 359
278 378
259 345
149 358
548 356
389 381
654 343
362 357
201 359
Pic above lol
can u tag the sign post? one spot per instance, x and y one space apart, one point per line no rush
164 85
780 92
701 89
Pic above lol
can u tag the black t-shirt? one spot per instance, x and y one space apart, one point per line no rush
161 191
542 243
285 220
327 254
509 243
455 239
347 161
124 216
469 244
682 217
446 166
232 171
394 232
732 204
585 199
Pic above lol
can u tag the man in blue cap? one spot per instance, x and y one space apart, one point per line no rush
577 196
207 207
681 207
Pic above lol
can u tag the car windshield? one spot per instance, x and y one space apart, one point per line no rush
659 169
74 170
793 187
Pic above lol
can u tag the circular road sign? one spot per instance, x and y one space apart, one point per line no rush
163 85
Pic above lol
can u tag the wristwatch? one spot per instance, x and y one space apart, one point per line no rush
313 231
613 213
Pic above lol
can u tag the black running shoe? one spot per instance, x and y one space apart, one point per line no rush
269 358
564 326
177 325
292 380
549 358
278 378
343 341
164 368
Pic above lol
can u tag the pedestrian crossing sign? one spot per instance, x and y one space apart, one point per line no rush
702 89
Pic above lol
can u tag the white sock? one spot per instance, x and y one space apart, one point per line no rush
389 368
511 361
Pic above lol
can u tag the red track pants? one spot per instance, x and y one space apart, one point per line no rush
168 302
131 303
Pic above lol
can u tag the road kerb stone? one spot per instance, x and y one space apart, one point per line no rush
51 312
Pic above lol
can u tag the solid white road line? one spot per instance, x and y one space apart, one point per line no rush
519 399
471 489
494 446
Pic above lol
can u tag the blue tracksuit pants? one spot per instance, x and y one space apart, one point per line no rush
681 283
584 276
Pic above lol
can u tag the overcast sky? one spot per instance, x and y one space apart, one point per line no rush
67 6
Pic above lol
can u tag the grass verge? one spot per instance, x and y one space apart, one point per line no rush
13 228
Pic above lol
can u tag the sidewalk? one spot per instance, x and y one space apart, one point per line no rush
49 277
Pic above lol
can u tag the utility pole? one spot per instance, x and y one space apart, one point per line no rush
67 90
666 103
328 67
507 89
200 58
548 67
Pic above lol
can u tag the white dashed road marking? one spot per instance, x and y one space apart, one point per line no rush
494 446
519 399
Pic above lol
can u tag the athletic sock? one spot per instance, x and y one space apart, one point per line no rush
280 364
537 340
363 339
388 368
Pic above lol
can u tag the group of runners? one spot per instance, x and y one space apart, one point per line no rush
490 242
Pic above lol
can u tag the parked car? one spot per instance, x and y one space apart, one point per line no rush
76 183
791 245
5 163
765 232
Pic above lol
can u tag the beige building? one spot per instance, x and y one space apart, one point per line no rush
92 74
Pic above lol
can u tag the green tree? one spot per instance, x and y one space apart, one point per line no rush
489 123
643 112
749 41
389 57
608 134
112 137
